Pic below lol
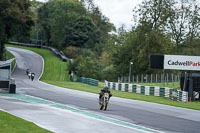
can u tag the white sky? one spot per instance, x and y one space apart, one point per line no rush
118 11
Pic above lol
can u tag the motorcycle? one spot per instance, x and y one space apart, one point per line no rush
104 101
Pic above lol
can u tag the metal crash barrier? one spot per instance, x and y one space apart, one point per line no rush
58 53
89 81
7 84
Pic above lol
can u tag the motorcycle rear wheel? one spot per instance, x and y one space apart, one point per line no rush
105 105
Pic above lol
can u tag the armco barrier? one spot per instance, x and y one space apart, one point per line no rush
149 90
89 81
58 53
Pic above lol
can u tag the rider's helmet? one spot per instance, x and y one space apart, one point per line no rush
106 88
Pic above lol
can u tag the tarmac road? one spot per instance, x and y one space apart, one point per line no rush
75 111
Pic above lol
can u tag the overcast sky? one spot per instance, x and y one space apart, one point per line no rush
118 11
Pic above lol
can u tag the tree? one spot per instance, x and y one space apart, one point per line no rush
81 33
193 24
153 12
178 23
43 22
55 15
102 22
15 18
88 67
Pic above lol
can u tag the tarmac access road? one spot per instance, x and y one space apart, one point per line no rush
63 110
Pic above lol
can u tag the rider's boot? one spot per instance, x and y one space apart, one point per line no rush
99 101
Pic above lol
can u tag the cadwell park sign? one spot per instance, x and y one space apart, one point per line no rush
190 81
179 62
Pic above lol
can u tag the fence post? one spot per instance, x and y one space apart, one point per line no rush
175 78
167 79
156 78
178 78
151 77
142 78
146 78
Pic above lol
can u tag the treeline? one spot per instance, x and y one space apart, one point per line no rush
98 50
161 27
79 29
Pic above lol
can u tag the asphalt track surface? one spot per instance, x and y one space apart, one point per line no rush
150 115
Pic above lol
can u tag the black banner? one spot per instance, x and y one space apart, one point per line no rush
157 61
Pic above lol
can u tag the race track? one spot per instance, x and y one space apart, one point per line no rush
122 116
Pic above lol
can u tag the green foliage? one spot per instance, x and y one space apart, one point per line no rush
163 28
137 47
66 23
109 74
88 67
15 19
81 33
72 52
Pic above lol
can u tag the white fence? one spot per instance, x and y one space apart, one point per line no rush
149 90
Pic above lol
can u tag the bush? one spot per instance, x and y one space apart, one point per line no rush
88 67
72 52
109 73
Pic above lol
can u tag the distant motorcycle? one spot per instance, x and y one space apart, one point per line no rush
104 101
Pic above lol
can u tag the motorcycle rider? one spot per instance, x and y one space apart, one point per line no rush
103 90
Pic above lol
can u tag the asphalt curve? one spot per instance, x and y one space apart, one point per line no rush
155 116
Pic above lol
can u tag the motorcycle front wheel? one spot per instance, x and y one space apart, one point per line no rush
105 105
101 106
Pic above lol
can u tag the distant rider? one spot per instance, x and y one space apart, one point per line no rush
27 71
29 75
32 76
105 89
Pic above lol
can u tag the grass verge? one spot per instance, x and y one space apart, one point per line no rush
13 124
10 56
63 82
174 85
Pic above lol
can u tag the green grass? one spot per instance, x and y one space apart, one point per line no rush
174 85
13 124
10 56
63 82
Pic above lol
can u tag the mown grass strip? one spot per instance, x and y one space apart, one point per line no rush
10 56
13 124
64 82
174 85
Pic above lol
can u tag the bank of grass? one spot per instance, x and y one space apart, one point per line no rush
64 82
13 124
174 85
10 56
